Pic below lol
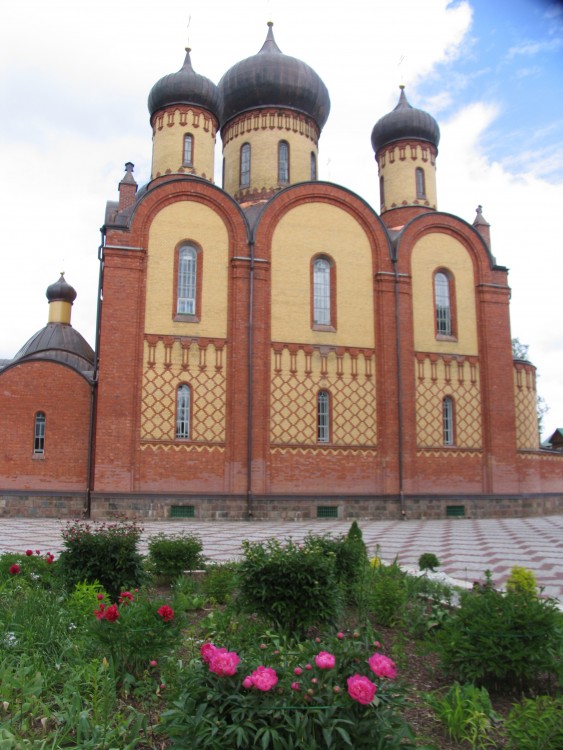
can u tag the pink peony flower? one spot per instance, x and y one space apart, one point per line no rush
37 551
223 662
247 683
340 635
153 662
295 686
14 569
298 671
100 612
361 689
29 552
207 651
166 612
308 666
324 660
336 689
112 613
382 666
264 678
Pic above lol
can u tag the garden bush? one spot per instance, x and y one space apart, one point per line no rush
521 581
169 556
295 696
381 593
348 552
106 553
293 586
536 724
502 640
466 712
428 561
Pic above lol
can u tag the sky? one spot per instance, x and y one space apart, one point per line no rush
74 81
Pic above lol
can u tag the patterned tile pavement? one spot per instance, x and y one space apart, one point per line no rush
465 547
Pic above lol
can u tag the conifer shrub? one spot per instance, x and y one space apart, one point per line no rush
521 580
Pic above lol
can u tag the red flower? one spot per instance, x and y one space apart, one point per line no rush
29 552
100 613
99 597
112 613
166 612
14 569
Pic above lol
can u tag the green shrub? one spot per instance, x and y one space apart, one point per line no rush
466 712
536 724
29 569
348 553
428 561
381 593
102 552
521 581
84 600
502 640
169 556
293 586
220 582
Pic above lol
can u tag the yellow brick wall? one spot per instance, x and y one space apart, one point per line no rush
187 221
527 432
435 251
168 143
264 159
399 177
304 232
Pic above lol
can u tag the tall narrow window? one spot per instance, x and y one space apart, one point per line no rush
313 166
323 417
283 162
420 183
382 191
448 420
183 407
245 165
188 159
187 280
39 434
321 292
442 300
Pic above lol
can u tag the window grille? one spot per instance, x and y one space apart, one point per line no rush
443 305
245 165
39 434
182 511
183 412
283 162
188 150
327 511
323 417
321 292
448 420
420 183
187 279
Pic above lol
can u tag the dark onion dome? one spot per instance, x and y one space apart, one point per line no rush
60 342
405 122
272 79
61 291
185 87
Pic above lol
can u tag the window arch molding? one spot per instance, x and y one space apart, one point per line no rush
448 421
324 417
323 293
188 276
445 318
184 408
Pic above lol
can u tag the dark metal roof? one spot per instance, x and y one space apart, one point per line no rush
272 79
405 121
185 87
59 342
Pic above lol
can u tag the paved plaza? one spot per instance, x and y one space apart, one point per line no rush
465 547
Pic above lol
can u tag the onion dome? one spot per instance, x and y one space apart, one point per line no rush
405 122
61 291
185 87
272 79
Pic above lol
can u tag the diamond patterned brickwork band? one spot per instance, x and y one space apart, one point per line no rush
201 364
436 378
299 372
527 437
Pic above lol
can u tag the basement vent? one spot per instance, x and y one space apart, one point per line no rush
327 511
182 511
455 511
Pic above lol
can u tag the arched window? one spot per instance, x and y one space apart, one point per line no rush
448 420
187 280
39 433
420 183
283 162
322 297
188 159
443 293
183 411
245 165
313 166
382 191
323 417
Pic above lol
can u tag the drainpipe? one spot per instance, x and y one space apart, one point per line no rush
94 387
249 508
394 260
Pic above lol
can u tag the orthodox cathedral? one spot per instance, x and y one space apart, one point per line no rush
275 348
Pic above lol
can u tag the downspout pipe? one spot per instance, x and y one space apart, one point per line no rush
250 393
94 387
394 260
